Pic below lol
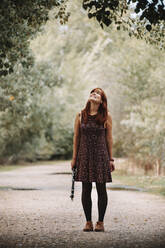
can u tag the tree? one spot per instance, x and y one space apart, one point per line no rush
143 122
37 116
24 115
142 18
19 21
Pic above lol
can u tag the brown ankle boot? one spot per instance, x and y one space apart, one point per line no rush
99 227
88 227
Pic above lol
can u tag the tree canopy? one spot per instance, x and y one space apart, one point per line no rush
142 18
20 21
152 11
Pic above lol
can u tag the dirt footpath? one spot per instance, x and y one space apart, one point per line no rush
36 211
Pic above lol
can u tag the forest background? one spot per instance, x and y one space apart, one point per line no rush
39 103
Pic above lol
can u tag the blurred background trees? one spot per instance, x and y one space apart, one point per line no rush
38 103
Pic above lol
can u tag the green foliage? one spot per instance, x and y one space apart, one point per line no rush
23 116
105 11
142 19
38 105
19 21
130 72
143 124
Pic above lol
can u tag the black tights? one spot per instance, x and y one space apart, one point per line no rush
87 201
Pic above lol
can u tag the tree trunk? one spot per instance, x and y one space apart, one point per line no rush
158 167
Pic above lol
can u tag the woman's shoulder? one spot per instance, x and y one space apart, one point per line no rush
108 121
109 117
79 115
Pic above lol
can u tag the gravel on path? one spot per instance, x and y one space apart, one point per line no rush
36 211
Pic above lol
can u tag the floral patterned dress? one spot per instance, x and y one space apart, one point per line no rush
92 160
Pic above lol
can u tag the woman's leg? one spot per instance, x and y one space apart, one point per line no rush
102 200
86 199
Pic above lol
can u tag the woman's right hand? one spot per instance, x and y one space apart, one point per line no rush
73 163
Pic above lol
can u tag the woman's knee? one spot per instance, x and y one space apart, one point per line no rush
86 187
101 188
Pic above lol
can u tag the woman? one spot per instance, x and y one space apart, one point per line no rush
92 154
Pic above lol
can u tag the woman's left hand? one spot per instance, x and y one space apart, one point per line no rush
112 166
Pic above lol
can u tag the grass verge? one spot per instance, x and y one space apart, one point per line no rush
10 167
152 184
25 164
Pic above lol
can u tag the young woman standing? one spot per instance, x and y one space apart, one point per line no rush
92 154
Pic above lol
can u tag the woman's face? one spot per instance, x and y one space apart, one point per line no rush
95 96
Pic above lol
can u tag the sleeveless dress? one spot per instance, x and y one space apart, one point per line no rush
92 160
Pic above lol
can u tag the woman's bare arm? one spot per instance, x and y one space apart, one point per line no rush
76 137
109 135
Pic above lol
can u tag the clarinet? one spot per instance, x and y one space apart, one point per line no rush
73 181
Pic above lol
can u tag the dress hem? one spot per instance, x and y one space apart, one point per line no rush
92 181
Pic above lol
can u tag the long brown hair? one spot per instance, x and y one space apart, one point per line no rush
102 115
